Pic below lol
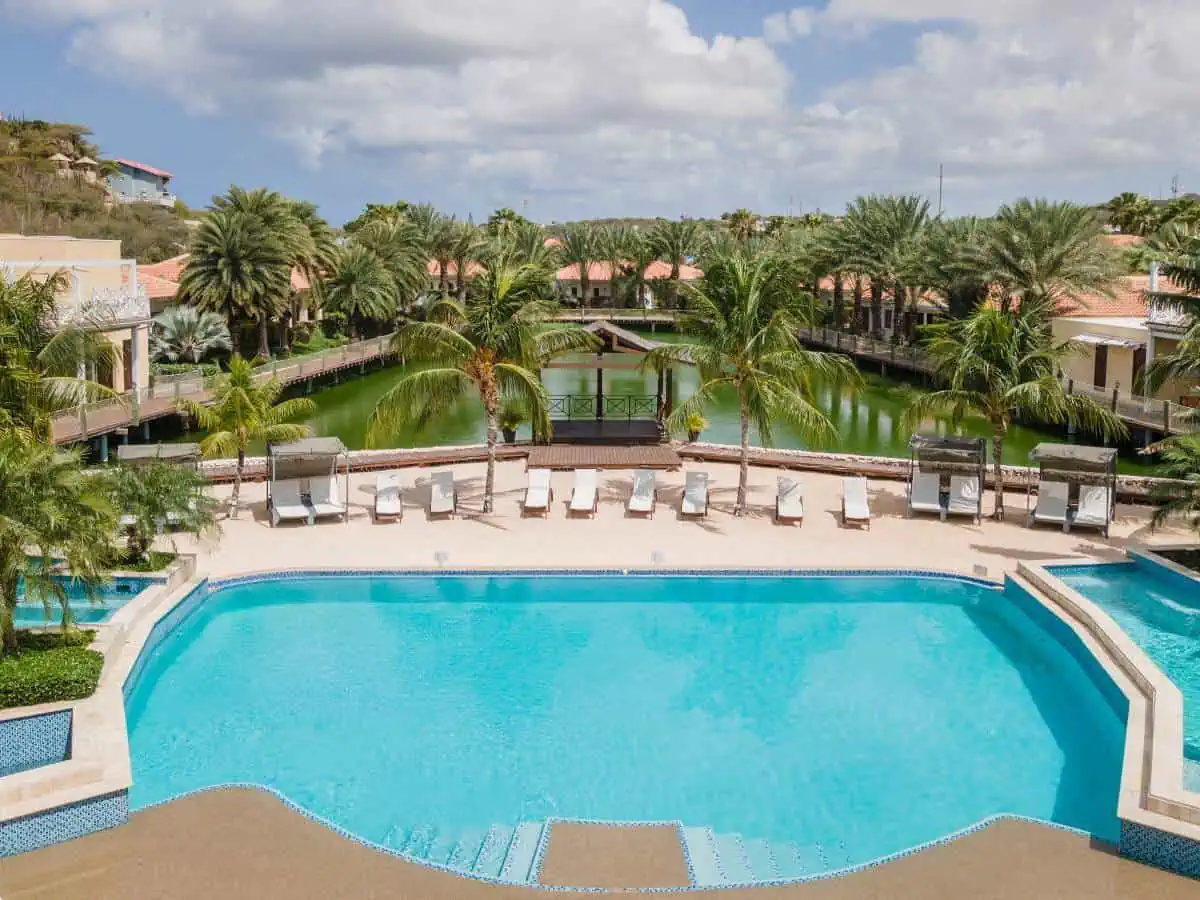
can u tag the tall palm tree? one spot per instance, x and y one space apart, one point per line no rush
953 263
1177 492
44 362
361 288
676 242
243 412
398 244
1184 361
492 345
744 321
469 244
238 269
1132 213
1004 364
437 235
530 244
742 223
638 254
188 334
50 511
1174 242
581 247
1043 252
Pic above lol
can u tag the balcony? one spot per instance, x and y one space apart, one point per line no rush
161 198
1169 313
106 307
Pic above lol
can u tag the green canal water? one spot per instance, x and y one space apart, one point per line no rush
868 421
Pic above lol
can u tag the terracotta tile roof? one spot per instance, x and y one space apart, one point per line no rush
473 269
170 269
142 167
1125 240
157 288
1128 299
300 281
602 271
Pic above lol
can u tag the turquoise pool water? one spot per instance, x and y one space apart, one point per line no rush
111 597
1160 610
810 723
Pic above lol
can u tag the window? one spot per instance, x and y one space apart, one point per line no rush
887 318
596 293
574 292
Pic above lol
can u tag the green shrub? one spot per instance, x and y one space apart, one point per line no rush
50 667
156 561
208 368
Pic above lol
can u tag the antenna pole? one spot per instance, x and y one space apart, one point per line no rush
941 184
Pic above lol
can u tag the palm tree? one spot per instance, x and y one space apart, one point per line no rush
237 268
953 263
581 247
42 358
1174 242
188 334
243 412
1053 253
676 242
493 345
360 287
1184 361
152 494
1001 365
1132 213
639 253
50 511
398 244
745 316
437 237
469 244
742 224
1177 492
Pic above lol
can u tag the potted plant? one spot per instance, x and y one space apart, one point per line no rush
694 424
512 416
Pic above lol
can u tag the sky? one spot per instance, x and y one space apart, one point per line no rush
567 109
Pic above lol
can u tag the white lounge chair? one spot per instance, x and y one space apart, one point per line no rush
1052 503
695 495
585 498
326 497
789 501
539 493
644 498
856 509
965 497
925 494
1095 507
389 497
443 494
286 504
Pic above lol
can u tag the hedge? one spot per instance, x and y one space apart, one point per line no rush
50 667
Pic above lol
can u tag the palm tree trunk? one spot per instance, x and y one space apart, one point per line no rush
998 467
237 484
856 325
264 345
675 284
8 597
492 408
442 276
584 284
876 309
744 467
839 302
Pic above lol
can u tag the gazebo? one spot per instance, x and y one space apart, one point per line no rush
145 454
308 460
1077 467
621 419
952 457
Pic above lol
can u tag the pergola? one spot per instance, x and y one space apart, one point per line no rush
951 455
599 418
1075 465
316 457
144 454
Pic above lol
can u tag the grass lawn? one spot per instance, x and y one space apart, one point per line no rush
50 666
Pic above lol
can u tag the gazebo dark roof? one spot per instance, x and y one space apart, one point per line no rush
951 449
1074 457
626 338
309 448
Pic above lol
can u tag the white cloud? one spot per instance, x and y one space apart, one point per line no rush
616 106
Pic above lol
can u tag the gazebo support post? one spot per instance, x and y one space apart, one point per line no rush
599 388
669 401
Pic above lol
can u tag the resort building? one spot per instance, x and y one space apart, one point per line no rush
160 281
102 292
138 183
601 290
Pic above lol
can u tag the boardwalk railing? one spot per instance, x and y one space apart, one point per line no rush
610 314
166 394
1143 412
584 406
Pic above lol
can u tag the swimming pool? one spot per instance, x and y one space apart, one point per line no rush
798 725
111 597
1160 610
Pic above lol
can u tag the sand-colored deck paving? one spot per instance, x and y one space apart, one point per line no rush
246 845
612 538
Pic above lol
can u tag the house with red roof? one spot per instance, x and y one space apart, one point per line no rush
600 288
136 182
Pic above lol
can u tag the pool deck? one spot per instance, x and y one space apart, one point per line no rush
242 843
246 845
614 539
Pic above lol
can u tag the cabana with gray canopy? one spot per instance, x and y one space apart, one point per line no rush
303 482
1076 486
946 475
146 454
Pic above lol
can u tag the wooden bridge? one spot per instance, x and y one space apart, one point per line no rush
165 396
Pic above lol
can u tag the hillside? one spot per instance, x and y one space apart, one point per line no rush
43 192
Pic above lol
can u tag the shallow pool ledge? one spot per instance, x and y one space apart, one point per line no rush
1160 819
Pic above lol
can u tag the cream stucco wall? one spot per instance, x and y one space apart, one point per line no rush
1082 367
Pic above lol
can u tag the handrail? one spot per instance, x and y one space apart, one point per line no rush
165 394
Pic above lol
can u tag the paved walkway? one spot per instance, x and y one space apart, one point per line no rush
246 845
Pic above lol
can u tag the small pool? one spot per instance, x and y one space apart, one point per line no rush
1160 610
115 594
796 725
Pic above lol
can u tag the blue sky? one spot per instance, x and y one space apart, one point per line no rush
622 107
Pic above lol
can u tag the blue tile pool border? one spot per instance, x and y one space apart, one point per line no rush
34 741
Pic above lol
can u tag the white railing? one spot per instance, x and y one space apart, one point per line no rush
1168 313
163 199
105 306
1161 415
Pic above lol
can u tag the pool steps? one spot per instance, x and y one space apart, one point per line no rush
509 854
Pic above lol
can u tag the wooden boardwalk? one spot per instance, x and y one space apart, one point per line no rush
583 456
167 395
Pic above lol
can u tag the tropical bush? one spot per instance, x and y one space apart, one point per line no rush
188 335
149 496
49 668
